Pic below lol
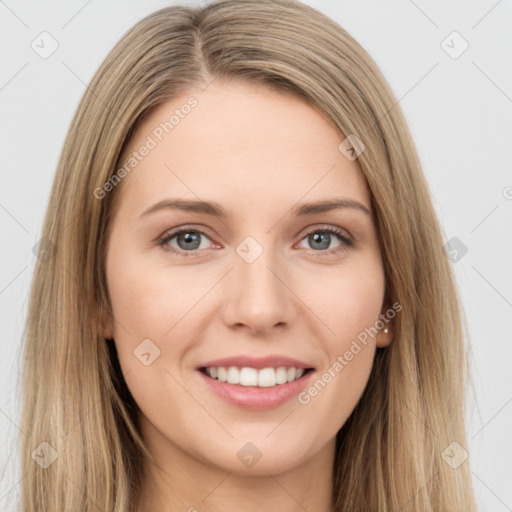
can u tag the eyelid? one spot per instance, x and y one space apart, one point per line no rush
171 233
305 231
312 228
345 237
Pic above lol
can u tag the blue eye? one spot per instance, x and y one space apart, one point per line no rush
322 238
189 241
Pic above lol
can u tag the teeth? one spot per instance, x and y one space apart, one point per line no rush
264 378
248 377
281 375
233 375
222 374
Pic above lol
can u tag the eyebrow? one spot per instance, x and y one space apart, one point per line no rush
216 210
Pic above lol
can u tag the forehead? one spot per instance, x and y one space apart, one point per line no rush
239 140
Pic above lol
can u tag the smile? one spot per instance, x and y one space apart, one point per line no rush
256 390
247 376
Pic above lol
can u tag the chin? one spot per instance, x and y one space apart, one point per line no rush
258 458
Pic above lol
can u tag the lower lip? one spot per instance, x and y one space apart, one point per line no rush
254 397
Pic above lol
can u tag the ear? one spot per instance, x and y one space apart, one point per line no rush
385 334
107 330
384 338
104 322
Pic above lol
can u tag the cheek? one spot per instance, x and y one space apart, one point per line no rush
148 300
150 306
347 301
359 305
350 306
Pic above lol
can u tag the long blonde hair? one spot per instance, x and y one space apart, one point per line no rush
390 450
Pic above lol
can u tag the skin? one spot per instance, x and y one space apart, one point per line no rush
258 153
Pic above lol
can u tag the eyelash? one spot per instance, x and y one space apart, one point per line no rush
346 241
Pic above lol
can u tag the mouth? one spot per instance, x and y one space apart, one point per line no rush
256 389
252 377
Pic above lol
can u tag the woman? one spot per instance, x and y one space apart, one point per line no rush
248 303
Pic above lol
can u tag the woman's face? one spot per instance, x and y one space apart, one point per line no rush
273 283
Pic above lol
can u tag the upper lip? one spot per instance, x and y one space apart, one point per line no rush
270 361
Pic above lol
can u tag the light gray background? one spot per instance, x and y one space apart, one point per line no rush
460 114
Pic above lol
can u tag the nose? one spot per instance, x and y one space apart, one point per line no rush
258 297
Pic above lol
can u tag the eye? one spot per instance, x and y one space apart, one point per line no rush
320 239
187 241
